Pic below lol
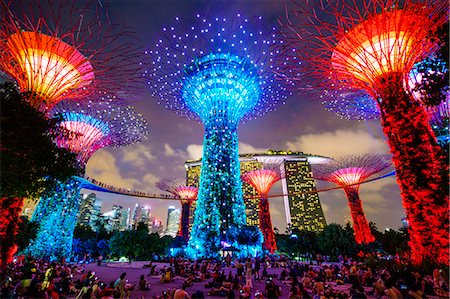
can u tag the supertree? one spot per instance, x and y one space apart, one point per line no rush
64 49
262 180
86 126
349 172
359 105
372 45
217 71
186 194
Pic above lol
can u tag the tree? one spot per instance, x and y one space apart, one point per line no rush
27 232
29 162
335 240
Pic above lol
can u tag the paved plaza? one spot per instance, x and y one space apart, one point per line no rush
111 271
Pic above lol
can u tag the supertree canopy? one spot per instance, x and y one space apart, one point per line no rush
63 49
187 195
349 172
372 45
218 71
262 180
93 124
87 127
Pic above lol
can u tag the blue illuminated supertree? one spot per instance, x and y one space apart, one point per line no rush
87 127
219 72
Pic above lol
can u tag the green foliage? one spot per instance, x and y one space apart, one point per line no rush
336 240
434 85
27 232
30 161
138 244
84 232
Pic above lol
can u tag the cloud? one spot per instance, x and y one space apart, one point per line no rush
338 142
138 155
245 148
168 150
149 181
102 167
194 151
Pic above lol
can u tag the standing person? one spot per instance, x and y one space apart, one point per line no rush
257 268
239 268
120 286
99 260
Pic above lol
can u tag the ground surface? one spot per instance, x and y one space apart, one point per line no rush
111 271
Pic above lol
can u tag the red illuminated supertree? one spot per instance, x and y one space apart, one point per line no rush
373 45
186 194
349 172
63 49
262 180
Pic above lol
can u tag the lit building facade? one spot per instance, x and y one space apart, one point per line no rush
86 209
301 200
173 221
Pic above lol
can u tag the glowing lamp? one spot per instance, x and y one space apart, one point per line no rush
379 45
50 67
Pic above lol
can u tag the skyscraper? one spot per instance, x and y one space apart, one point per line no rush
301 200
173 221
86 208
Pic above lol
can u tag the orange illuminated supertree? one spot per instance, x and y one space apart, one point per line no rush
187 195
373 45
262 180
349 172
60 49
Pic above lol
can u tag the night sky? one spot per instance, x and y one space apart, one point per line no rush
302 124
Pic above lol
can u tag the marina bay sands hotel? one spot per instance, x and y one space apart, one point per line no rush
301 200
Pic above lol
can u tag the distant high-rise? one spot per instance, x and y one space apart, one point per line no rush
301 200
137 215
173 221
123 224
86 208
113 218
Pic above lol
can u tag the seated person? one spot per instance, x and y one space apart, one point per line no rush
143 285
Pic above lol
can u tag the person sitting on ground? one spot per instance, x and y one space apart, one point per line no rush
122 287
167 276
181 293
143 285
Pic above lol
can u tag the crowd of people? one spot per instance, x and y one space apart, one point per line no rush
269 277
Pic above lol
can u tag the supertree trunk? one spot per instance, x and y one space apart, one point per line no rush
363 235
220 205
265 225
422 172
10 208
184 223
57 221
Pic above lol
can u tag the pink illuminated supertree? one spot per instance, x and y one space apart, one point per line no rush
372 45
93 124
63 49
187 195
262 180
86 127
349 172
